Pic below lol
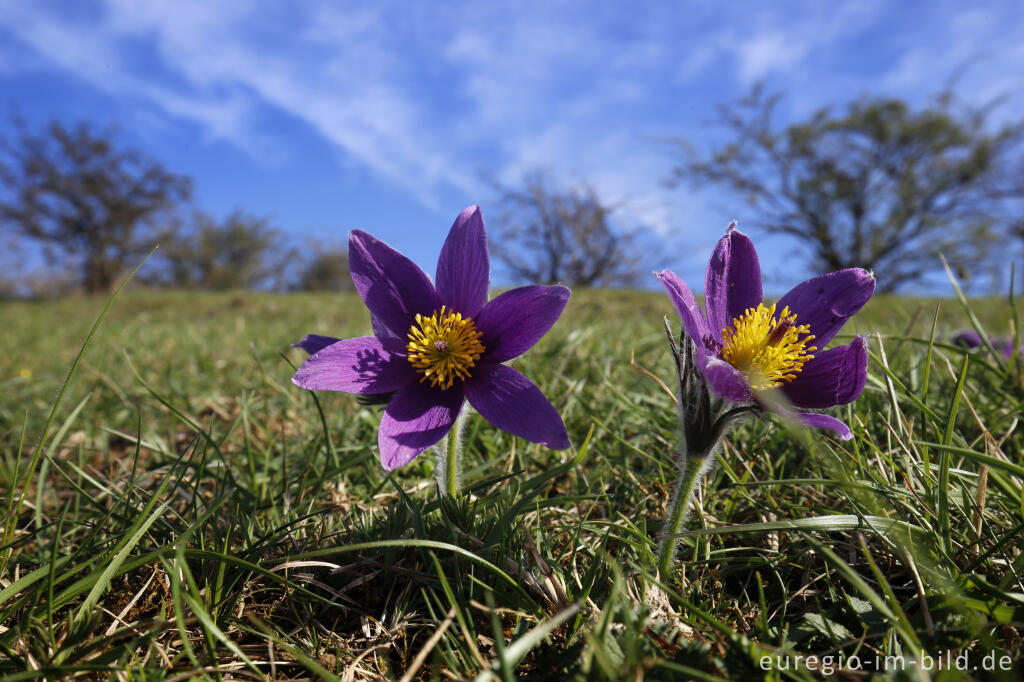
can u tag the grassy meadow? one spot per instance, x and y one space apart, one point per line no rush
189 513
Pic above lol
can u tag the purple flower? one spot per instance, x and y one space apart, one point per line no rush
745 347
1004 345
971 340
438 345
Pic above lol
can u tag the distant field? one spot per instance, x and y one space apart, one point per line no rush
193 512
213 344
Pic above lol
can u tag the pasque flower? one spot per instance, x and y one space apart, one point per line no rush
747 353
436 345
746 348
971 340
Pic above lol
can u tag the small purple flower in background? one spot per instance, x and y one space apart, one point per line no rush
745 347
437 346
1004 345
971 340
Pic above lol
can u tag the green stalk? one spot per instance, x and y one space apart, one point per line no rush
683 493
447 471
452 460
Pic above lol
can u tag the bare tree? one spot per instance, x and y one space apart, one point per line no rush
881 186
545 235
325 269
240 252
90 204
12 268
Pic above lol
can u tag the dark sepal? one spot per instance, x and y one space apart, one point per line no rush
375 398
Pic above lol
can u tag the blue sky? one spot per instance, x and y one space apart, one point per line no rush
391 116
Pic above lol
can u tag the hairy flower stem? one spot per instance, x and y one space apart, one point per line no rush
703 422
692 468
453 461
448 471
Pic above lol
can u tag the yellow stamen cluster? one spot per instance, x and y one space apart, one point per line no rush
767 349
444 347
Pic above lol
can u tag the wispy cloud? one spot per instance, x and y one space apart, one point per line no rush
216 71
978 51
768 52
428 99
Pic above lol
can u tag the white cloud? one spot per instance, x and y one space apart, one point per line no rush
216 77
768 52
982 51
427 99
785 41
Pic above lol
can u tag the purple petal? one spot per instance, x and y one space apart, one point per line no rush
967 339
511 402
360 365
971 339
512 322
391 340
833 377
826 302
311 343
464 268
416 418
725 380
1003 345
689 310
823 421
391 285
732 282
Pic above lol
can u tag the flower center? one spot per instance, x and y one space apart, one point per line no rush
767 349
444 347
